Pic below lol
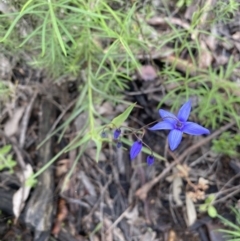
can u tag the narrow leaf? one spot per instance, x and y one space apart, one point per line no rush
26 5
44 27
56 29
118 121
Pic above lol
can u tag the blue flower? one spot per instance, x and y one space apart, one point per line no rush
116 134
150 160
178 125
135 149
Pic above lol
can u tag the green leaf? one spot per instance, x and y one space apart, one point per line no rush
26 5
180 3
118 121
203 208
99 147
56 29
4 150
31 181
210 199
212 212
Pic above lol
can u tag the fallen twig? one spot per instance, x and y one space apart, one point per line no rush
25 120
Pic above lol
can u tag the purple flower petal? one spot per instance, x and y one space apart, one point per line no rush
116 134
135 149
150 160
163 125
174 139
167 116
184 111
192 128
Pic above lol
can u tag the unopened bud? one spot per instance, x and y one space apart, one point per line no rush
116 134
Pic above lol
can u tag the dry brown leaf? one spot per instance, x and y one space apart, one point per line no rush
62 213
191 211
87 183
197 195
132 215
236 37
203 184
21 195
105 109
155 21
205 56
183 170
210 40
182 65
12 125
177 189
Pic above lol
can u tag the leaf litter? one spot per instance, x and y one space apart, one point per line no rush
117 199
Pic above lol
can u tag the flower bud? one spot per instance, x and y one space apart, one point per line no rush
135 149
116 134
150 160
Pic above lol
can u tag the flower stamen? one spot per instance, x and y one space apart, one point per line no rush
179 125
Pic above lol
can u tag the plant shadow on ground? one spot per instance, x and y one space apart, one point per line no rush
68 68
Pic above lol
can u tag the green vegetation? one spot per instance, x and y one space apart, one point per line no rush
5 91
227 144
233 231
98 42
89 40
182 3
208 207
6 160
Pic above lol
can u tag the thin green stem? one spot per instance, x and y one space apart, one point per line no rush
90 96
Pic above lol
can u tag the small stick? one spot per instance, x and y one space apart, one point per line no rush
119 219
25 120
234 192
143 191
